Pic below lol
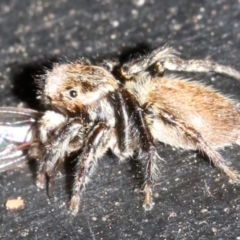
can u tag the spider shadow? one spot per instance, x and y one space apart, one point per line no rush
137 170
129 53
70 170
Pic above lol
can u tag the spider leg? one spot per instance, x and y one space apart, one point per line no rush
177 64
95 146
165 58
150 153
201 145
131 111
54 153
125 138
142 64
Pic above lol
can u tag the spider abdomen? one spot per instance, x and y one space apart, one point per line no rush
210 113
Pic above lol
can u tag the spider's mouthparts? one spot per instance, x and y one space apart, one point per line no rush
59 109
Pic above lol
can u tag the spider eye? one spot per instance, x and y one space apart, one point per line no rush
73 93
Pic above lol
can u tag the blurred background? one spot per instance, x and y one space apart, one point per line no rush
192 199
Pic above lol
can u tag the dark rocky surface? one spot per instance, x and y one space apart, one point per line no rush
192 200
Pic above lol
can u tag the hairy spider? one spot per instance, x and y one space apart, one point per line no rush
128 108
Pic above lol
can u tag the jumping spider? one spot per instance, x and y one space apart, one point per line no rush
128 108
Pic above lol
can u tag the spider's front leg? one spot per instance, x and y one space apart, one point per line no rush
95 145
55 152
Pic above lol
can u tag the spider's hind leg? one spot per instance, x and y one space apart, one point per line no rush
201 145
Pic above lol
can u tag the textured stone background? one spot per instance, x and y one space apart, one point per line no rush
193 200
